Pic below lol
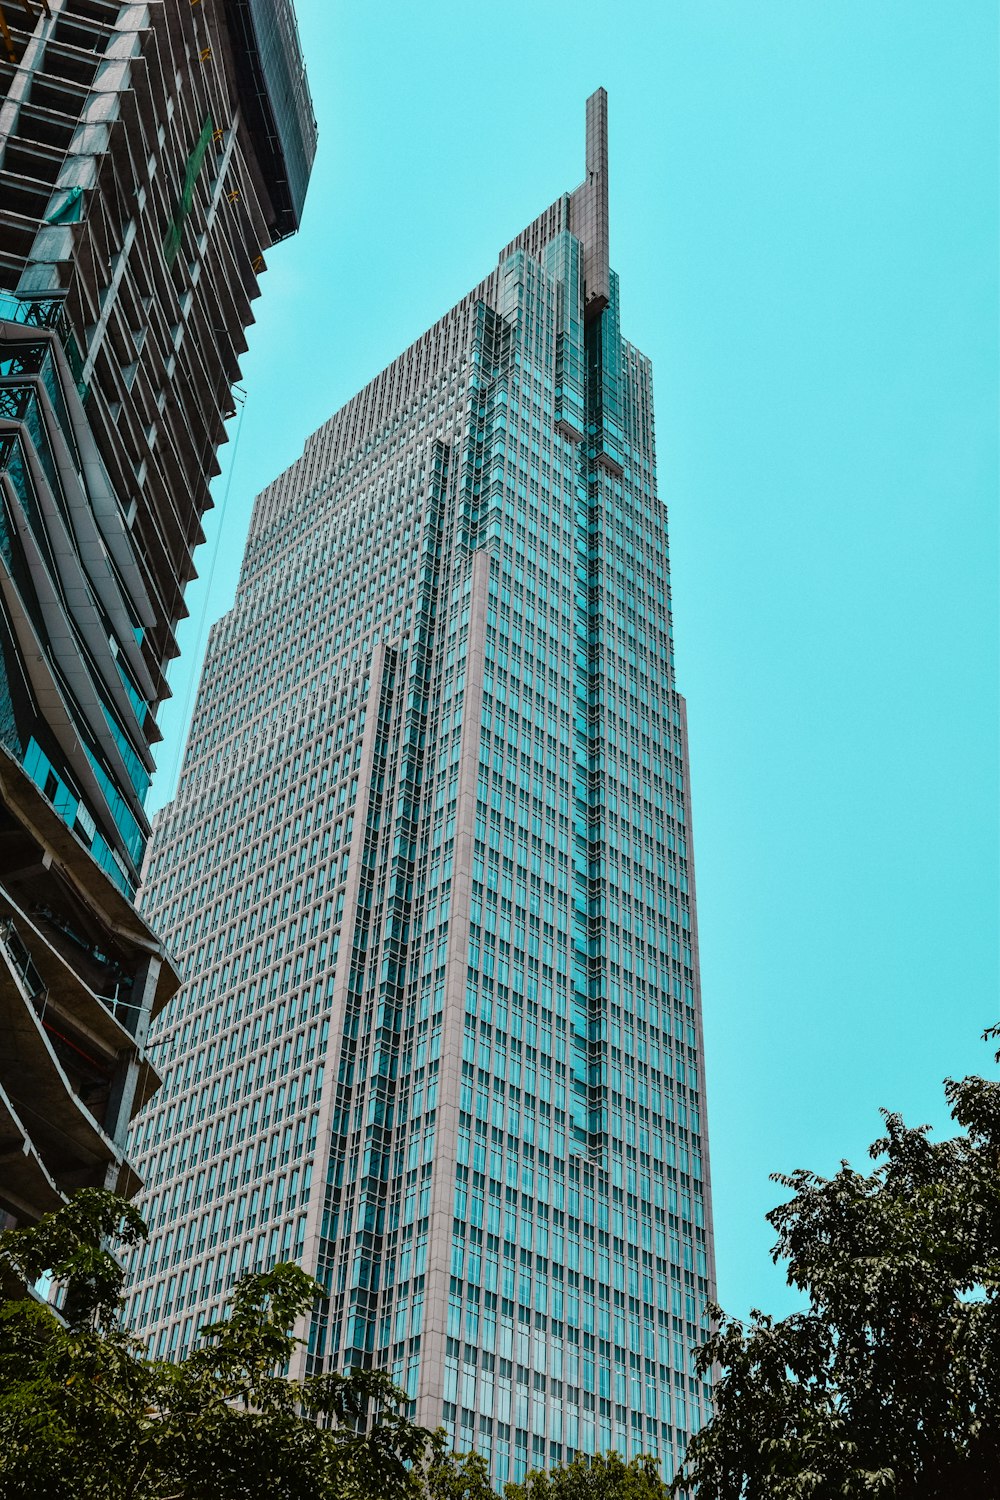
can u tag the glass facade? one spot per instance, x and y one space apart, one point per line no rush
80 727
275 96
429 878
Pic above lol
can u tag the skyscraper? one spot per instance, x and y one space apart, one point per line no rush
150 154
428 877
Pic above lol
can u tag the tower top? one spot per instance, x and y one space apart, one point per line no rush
584 212
588 216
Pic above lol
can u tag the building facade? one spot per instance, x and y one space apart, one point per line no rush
150 154
428 877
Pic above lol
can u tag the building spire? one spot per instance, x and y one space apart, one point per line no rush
589 207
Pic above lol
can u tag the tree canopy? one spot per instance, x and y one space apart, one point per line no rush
606 1476
888 1384
83 1413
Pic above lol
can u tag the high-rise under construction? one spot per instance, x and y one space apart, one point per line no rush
150 156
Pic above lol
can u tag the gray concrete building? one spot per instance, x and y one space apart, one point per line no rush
150 156
428 878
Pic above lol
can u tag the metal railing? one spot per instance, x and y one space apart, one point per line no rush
18 953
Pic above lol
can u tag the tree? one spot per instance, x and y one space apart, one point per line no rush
455 1476
607 1476
83 1413
888 1384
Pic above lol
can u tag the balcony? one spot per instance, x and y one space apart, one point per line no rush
49 1104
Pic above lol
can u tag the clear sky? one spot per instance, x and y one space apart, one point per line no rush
804 217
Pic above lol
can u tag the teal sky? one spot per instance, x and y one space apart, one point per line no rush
805 220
